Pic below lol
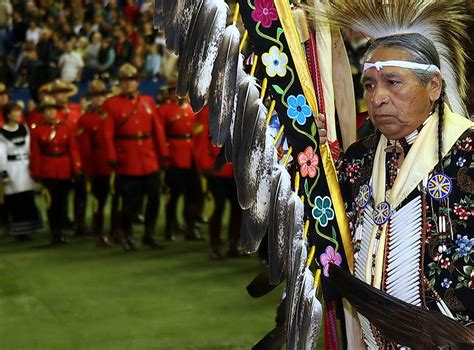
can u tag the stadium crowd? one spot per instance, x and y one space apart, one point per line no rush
115 135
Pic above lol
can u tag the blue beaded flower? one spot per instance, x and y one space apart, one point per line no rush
298 108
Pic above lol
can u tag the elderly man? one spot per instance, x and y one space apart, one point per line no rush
135 145
409 187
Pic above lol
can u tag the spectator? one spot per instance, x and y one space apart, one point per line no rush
153 62
18 32
148 32
31 12
100 26
5 13
131 11
77 26
91 57
123 48
86 30
106 58
132 34
71 64
35 70
81 47
48 52
6 70
33 32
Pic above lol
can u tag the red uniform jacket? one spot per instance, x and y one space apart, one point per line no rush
90 138
179 122
204 152
54 153
134 136
35 118
71 114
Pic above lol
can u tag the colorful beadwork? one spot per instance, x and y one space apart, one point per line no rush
382 213
439 186
363 198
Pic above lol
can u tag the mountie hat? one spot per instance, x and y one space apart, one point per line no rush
97 87
59 85
48 102
128 72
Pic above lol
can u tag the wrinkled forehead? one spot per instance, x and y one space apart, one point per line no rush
395 60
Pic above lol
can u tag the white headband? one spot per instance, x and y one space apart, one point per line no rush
402 64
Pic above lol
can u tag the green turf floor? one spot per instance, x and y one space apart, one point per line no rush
82 297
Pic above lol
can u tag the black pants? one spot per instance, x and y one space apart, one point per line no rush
131 189
80 203
223 189
100 188
57 211
183 182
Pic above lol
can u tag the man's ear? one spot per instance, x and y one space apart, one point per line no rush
435 86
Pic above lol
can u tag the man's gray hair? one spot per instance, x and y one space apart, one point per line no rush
420 48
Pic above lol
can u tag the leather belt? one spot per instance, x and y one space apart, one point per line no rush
133 137
179 137
54 155
18 156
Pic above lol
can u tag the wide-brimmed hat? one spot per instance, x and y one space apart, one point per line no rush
3 89
48 102
59 85
97 87
128 72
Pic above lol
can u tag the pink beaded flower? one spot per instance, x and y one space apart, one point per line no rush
264 12
330 256
308 161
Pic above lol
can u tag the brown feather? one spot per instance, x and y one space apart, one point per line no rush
398 321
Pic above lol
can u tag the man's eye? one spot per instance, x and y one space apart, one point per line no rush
368 86
393 82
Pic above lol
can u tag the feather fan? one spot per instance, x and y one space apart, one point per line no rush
247 96
255 219
296 266
205 57
278 224
223 86
205 11
249 161
309 315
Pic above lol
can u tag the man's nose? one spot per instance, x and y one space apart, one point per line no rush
380 96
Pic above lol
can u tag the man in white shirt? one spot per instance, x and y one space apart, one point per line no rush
71 64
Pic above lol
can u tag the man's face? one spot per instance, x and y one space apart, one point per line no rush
129 86
397 101
3 99
61 98
50 113
97 100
